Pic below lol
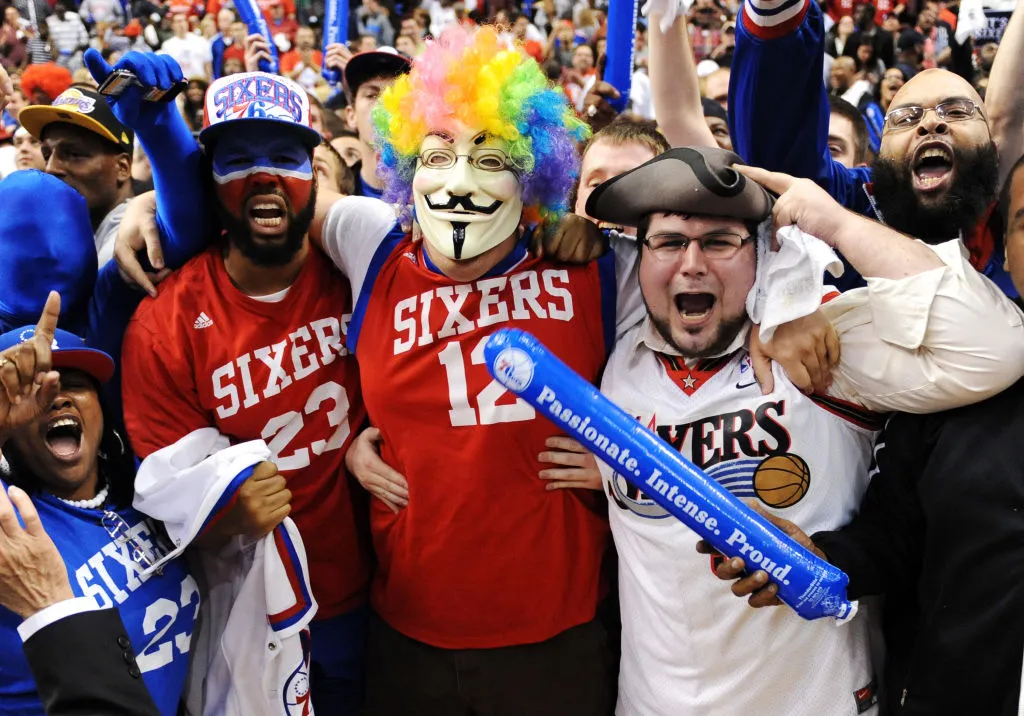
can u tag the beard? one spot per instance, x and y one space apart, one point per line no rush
269 254
971 191
728 329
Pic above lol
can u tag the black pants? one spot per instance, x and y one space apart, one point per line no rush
567 675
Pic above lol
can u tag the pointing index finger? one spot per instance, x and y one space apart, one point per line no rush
772 181
48 320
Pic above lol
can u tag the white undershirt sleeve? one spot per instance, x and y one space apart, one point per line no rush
54 613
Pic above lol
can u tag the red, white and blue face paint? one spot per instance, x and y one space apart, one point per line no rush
262 179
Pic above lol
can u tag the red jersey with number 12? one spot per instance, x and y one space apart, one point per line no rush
483 555
203 354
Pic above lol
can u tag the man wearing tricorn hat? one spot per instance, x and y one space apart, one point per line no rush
913 340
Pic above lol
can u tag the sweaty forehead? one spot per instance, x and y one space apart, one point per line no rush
933 86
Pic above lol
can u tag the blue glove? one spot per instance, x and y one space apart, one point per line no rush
183 212
160 71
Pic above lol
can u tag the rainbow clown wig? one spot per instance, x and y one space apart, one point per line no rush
476 80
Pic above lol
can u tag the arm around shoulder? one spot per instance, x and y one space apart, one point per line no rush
937 340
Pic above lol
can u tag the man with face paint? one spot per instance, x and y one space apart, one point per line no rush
248 339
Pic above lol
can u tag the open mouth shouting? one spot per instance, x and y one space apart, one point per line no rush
267 214
63 437
932 166
694 308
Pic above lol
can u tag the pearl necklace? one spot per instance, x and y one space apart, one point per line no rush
92 504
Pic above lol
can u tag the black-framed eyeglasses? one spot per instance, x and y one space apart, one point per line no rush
952 110
716 245
120 532
486 159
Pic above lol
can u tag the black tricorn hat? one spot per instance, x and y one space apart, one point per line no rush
685 180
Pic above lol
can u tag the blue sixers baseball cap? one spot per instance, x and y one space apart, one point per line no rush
69 351
256 97
46 243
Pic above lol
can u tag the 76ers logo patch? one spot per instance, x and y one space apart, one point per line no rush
296 690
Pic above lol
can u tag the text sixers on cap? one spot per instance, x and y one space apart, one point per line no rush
233 99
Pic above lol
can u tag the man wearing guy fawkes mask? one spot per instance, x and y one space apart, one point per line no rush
477 141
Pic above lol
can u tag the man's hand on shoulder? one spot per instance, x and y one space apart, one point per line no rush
138 231
575 240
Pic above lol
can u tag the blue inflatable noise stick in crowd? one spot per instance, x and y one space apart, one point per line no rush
812 587
249 12
335 31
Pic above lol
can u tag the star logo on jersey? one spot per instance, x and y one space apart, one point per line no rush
689 382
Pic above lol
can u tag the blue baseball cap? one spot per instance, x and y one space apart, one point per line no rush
68 351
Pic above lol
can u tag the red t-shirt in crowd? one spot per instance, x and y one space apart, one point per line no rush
290 59
203 354
483 555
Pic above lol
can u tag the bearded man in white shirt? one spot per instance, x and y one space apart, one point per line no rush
928 333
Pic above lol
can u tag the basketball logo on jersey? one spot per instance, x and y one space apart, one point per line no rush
296 689
782 480
747 452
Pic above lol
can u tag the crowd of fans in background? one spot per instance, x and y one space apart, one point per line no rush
872 50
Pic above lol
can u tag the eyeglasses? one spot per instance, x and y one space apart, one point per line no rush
486 159
120 532
952 110
716 246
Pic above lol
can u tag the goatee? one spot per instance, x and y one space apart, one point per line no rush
728 329
269 254
972 190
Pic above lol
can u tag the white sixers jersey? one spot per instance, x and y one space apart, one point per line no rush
688 645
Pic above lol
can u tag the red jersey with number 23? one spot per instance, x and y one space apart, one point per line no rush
483 555
203 354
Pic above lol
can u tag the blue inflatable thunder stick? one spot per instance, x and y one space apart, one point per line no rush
250 13
812 587
335 31
618 68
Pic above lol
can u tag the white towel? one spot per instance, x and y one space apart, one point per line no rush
250 653
789 282
669 9
971 20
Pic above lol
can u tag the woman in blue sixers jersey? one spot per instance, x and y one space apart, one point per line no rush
66 456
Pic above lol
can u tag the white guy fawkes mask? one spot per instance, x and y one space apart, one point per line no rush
470 206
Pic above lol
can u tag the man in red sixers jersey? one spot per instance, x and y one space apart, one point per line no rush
249 338
487 583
